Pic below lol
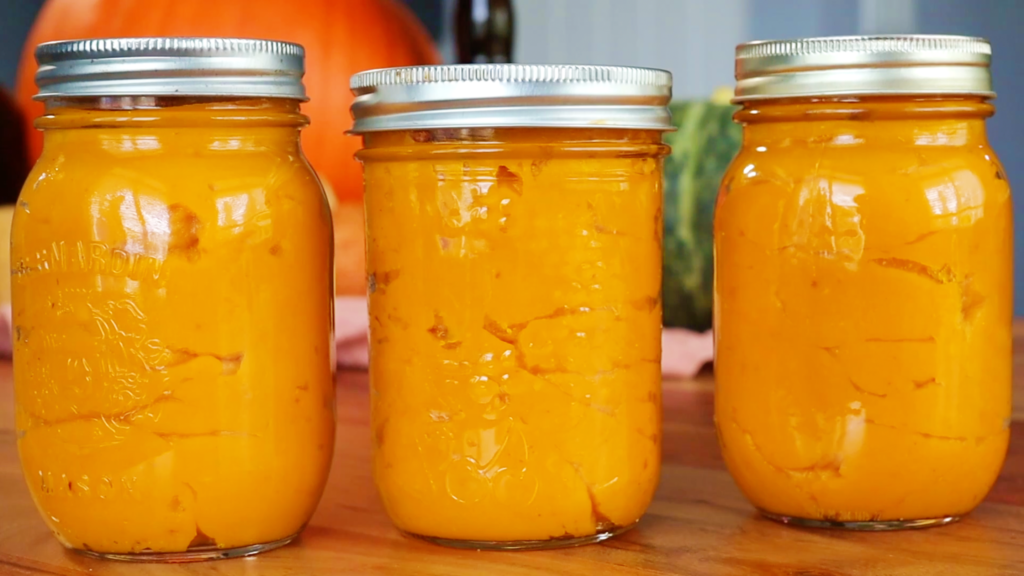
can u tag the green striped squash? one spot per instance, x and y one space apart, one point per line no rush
702 148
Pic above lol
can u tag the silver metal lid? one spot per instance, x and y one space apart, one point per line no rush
229 67
511 96
863 65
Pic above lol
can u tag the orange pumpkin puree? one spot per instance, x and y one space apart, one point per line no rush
172 308
863 307
515 315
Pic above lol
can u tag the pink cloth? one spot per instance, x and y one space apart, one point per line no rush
683 352
6 330
351 324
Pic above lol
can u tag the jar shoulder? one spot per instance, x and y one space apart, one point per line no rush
223 197
973 174
879 197
72 183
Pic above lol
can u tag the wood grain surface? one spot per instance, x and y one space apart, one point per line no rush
698 524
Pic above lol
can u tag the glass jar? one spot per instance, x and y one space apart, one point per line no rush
172 305
515 310
864 284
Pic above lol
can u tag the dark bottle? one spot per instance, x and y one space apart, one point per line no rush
483 31
14 164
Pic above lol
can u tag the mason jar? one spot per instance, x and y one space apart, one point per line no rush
514 234
863 242
172 300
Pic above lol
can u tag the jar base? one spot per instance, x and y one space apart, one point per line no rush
561 542
197 554
866 526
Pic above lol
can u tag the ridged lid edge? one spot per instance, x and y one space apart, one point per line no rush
171 46
511 73
864 45
915 64
171 66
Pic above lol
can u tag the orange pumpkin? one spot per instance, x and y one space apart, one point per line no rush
341 37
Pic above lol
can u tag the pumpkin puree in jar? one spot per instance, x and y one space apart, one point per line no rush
172 317
515 314
863 305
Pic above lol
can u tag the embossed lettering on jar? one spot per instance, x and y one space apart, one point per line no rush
863 289
515 318
172 314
